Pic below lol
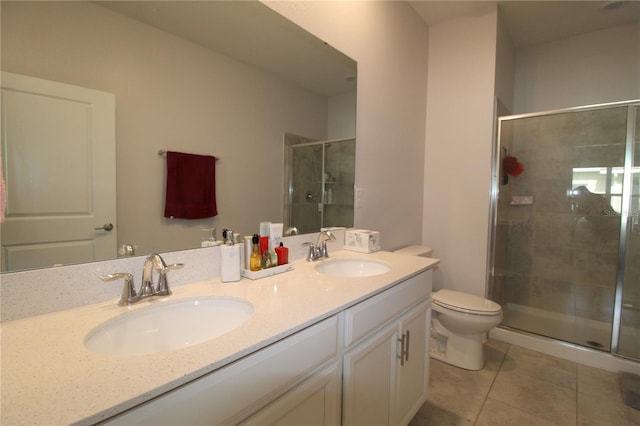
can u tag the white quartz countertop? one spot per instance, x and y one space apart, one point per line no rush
48 377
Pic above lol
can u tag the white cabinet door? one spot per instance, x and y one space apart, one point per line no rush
316 402
413 377
369 379
386 375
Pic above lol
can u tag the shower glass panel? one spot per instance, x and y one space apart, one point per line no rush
558 226
305 189
320 184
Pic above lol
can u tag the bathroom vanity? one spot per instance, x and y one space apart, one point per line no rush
317 349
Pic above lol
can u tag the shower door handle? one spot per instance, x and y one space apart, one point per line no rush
632 222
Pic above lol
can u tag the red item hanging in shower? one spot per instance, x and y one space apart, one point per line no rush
512 166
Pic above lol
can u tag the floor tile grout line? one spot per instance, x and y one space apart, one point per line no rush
484 401
535 414
577 392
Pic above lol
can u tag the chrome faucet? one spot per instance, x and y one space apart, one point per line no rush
319 249
129 294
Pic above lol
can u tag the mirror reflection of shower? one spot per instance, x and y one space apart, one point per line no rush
319 183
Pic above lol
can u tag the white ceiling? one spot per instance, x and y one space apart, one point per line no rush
252 33
535 22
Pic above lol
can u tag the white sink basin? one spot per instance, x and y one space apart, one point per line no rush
352 267
168 326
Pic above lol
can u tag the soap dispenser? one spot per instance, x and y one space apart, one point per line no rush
211 241
230 259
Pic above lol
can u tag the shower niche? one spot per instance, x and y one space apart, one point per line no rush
319 183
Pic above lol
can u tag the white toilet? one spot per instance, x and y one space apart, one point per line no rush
459 325
460 322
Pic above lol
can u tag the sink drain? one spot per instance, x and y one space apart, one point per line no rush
595 344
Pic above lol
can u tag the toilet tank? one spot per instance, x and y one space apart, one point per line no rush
422 251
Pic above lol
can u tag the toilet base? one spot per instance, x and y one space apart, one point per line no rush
464 351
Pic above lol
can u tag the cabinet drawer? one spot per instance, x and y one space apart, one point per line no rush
367 316
232 393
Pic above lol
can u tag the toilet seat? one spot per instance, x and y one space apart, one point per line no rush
465 303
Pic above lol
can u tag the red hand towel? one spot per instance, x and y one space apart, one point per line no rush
191 186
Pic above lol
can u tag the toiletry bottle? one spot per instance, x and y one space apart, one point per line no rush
264 229
255 258
264 245
230 259
274 258
283 254
329 196
275 234
266 260
247 252
240 243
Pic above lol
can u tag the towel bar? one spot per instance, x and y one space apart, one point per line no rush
163 153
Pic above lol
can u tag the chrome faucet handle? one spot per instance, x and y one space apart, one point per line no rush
324 236
129 295
163 284
292 230
321 245
312 251
127 250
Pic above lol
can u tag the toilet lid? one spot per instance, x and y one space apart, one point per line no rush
464 302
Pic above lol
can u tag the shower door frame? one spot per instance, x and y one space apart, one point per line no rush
625 216
625 224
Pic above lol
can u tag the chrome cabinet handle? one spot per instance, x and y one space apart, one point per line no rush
106 227
406 351
402 343
404 348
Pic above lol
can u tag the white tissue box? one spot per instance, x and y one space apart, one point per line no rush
362 240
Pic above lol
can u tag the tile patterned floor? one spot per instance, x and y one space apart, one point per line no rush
520 387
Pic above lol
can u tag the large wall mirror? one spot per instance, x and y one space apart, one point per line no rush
225 79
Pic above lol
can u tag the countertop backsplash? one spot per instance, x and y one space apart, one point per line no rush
42 291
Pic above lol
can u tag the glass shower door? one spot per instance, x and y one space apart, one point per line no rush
558 227
305 188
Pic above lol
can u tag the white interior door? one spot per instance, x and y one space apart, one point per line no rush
58 153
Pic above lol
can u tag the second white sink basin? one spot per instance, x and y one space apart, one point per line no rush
168 326
352 267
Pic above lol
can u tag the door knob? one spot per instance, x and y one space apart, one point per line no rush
106 227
